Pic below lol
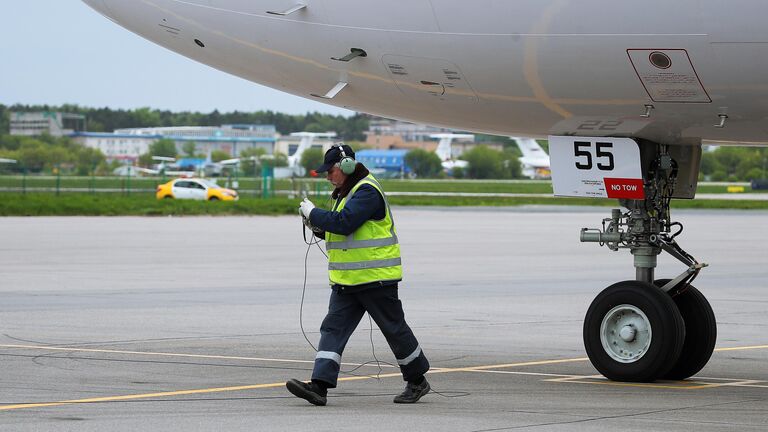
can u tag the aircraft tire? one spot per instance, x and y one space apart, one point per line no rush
213 198
633 332
700 332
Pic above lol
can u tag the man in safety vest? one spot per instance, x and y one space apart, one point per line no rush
364 269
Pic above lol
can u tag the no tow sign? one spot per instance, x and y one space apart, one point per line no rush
596 167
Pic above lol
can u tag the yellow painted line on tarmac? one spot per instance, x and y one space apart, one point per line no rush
507 372
508 365
742 348
255 386
672 385
600 380
481 368
172 393
139 396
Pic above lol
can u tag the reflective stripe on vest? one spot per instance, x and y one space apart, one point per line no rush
362 265
359 244
371 253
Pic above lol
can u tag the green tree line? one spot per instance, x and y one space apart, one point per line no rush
107 119
734 164
49 154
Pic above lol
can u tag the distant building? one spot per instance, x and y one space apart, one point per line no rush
384 133
408 132
390 163
288 145
52 123
231 139
129 144
123 147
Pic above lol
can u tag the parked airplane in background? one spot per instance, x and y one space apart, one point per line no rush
294 167
444 151
209 168
535 161
161 168
627 92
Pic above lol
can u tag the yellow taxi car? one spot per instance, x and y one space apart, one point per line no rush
195 189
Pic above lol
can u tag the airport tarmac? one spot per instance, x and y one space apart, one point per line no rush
192 323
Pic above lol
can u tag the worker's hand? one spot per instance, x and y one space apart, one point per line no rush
305 208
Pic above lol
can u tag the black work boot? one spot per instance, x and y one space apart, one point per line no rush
413 392
315 394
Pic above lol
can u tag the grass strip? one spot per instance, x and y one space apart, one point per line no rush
316 185
136 205
147 205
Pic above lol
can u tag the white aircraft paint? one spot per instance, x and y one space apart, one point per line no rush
524 68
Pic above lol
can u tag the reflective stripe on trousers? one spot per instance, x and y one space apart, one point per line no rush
330 355
414 355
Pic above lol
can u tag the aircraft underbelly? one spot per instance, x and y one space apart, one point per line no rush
545 70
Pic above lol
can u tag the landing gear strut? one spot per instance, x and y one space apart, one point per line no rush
646 329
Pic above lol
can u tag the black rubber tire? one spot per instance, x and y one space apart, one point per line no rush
167 197
213 198
667 329
700 332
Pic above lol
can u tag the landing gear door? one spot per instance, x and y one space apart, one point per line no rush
596 167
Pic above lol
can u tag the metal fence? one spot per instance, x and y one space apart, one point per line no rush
247 187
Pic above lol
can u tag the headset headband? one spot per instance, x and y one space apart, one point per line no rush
341 149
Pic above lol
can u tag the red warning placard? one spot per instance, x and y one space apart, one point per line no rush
624 188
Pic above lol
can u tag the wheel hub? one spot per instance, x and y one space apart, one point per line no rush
628 333
625 333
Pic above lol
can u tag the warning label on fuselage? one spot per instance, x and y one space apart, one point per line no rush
668 75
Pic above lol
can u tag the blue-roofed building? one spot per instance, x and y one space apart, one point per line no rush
389 162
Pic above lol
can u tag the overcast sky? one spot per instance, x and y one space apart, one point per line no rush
61 51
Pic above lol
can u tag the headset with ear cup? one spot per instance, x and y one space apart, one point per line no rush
347 164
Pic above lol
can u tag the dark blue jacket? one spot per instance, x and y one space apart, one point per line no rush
366 203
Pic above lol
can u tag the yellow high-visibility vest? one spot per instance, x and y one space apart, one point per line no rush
370 254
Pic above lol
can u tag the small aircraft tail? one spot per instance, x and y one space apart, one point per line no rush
530 148
307 139
443 150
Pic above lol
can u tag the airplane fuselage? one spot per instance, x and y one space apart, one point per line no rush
527 67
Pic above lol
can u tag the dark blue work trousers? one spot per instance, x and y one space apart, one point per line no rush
345 310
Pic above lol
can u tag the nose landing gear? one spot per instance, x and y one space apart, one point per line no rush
645 329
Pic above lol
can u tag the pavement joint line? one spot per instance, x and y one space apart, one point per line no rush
164 354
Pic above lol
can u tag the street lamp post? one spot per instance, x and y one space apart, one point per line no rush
267 176
58 179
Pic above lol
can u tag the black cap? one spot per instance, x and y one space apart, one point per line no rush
333 156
